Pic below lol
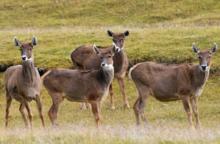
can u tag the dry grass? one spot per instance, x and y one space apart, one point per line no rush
81 133
167 121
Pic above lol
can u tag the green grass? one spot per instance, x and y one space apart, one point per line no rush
160 30
170 45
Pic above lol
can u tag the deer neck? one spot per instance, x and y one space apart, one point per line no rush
120 61
28 71
199 77
119 56
105 77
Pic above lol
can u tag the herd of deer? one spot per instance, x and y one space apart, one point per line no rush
92 80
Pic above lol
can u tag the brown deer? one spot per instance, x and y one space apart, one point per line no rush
85 58
81 85
23 83
172 82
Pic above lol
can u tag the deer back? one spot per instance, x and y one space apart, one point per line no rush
85 58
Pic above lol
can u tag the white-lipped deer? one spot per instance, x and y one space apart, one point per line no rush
23 83
172 82
85 58
81 85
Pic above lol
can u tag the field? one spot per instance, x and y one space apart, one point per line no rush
161 31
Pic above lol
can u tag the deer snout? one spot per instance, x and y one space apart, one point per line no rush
117 50
24 57
204 67
103 64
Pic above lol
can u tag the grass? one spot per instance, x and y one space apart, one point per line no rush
167 121
161 31
47 13
170 45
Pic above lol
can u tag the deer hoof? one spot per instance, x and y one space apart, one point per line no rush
127 106
83 106
55 125
112 107
198 127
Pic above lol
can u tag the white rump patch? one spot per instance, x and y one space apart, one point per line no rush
131 69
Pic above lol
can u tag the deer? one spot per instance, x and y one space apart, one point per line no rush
23 83
77 85
84 57
172 82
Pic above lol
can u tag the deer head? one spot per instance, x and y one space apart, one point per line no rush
205 56
106 58
26 48
118 39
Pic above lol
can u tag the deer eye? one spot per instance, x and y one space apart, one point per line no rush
199 57
109 56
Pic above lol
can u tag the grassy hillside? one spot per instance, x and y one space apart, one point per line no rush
160 30
44 13
171 45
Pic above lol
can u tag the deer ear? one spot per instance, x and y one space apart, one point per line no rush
17 42
214 48
34 41
194 48
110 33
126 33
95 49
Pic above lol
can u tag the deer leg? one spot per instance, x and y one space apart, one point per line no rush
122 88
57 99
194 102
8 104
136 111
111 97
84 106
186 105
96 112
21 109
88 105
142 105
29 113
39 107
139 107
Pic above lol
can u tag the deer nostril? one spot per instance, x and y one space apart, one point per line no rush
23 58
117 50
203 67
102 64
